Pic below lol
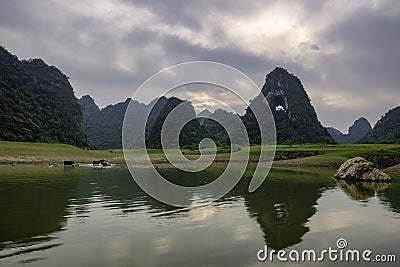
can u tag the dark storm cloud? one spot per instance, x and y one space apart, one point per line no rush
367 66
370 43
346 53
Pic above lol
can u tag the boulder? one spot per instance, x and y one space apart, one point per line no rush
359 168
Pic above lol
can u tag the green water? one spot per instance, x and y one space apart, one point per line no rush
91 217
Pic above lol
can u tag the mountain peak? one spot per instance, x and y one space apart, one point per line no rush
361 120
360 128
361 124
204 113
87 98
280 70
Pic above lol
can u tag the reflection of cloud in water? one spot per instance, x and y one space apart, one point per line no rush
242 232
202 213
338 213
162 245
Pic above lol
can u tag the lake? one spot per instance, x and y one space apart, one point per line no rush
100 217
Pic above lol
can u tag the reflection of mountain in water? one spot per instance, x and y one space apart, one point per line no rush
283 207
391 198
117 188
358 190
33 210
36 207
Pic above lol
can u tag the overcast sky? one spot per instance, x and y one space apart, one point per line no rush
345 52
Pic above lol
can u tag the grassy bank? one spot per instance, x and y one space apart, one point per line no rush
312 155
39 153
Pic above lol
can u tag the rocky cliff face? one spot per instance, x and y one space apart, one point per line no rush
356 131
37 103
295 118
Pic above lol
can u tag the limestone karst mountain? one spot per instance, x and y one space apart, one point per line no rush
295 118
37 103
104 126
386 130
356 131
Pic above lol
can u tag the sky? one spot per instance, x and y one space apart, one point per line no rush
346 53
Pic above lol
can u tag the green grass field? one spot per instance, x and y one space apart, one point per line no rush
39 153
300 156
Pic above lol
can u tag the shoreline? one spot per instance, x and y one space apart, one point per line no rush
385 156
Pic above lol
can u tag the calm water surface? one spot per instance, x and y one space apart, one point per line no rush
90 217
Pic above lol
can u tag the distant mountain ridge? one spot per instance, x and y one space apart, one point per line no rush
37 103
295 118
203 115
104 126
359 129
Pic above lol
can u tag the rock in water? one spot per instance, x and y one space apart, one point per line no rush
359 168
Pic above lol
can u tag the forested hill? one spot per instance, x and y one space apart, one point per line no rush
386 130
37 103
104 127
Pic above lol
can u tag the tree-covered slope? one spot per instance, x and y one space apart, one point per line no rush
37 103
386 130
190 134
104 126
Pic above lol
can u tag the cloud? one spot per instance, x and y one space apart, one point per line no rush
308 45
345 52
